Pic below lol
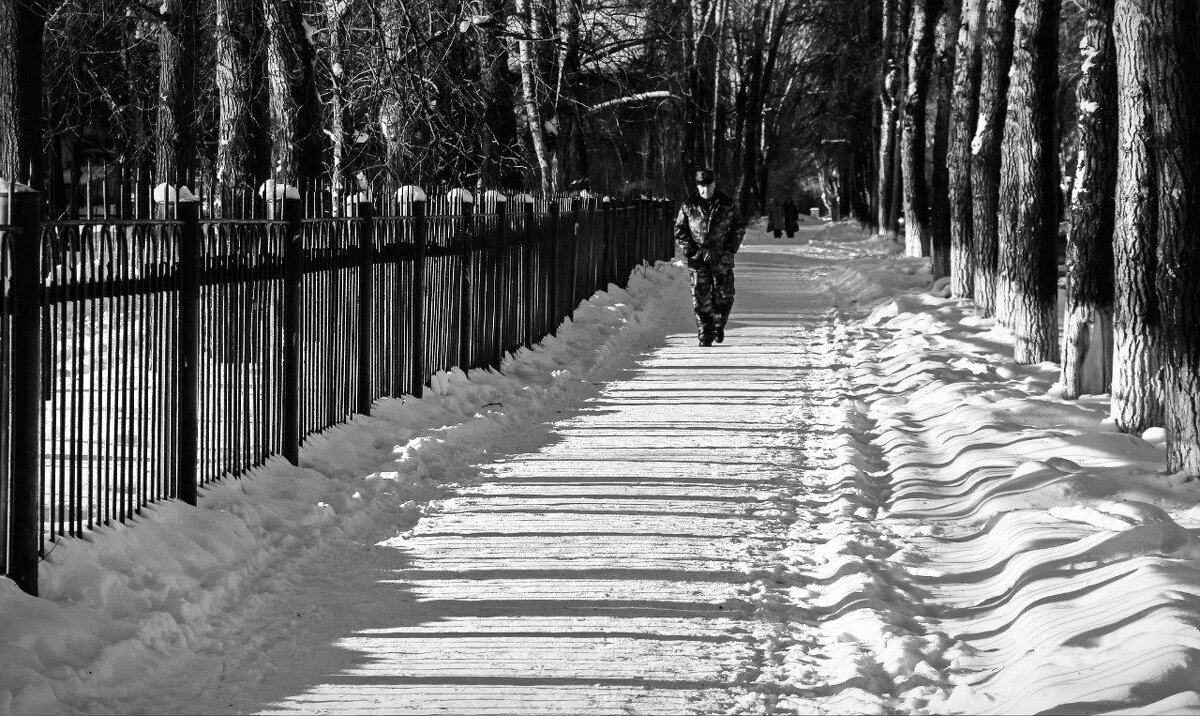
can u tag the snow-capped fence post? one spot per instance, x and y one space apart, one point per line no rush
365 212
187 425
463 202
577 217
499 274
287 206
606 228
411 202
527 302
23 210
556 247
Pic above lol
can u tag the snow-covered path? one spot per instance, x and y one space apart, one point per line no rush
859 504
624 563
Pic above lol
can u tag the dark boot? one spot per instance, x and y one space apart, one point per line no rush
719 334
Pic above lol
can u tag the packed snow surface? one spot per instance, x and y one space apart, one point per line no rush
858 503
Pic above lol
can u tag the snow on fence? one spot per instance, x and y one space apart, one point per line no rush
142 358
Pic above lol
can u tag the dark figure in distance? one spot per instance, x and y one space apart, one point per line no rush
791 217
709 231
775 218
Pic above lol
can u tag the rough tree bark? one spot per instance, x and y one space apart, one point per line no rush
500 129
1087 325
1027 260
9 142
21 120
529 84
964 107
235 40
995 56
942 89
889 108
174 126
1137 389
1174 77
294 114
912 137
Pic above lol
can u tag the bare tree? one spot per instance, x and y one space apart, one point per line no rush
941 89
1087 325
925 14
175 125
1137 389
995 58
964 106
1173 70
894 12
1027 260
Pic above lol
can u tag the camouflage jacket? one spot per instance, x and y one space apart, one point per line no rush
716 225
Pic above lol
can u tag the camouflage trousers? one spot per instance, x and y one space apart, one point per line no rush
712 298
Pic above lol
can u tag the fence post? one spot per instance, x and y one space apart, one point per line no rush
466 207
187 426
607 250
576 209
26 402
527 263
556 245
366 286
500 281
413 198
291 210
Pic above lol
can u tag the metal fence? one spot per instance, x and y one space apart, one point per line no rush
141 359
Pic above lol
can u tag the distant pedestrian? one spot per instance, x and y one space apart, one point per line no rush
709 231
775 218
791 217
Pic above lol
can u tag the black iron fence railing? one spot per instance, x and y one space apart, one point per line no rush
141 359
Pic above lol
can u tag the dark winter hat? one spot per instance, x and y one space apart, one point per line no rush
705 176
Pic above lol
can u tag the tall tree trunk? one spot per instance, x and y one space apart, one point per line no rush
175 126
529 84
889 107
1137 389
1087 325
500 129
235 39
912 139
335 104
768 28
21 113
943 73
995 57
964 105
1174 74
566 106
1027 261
10 163
294 116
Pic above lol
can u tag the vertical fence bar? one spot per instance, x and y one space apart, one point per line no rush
527 274
556 249
26 403
576 230
466 241
366 252
420 236
187 420
293 267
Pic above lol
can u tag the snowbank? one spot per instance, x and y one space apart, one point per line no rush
1051 555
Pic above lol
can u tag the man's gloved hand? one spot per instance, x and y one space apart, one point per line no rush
704 256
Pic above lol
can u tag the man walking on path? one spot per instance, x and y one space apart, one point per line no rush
709 231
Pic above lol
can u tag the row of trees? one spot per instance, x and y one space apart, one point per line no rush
632 94
1074 113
